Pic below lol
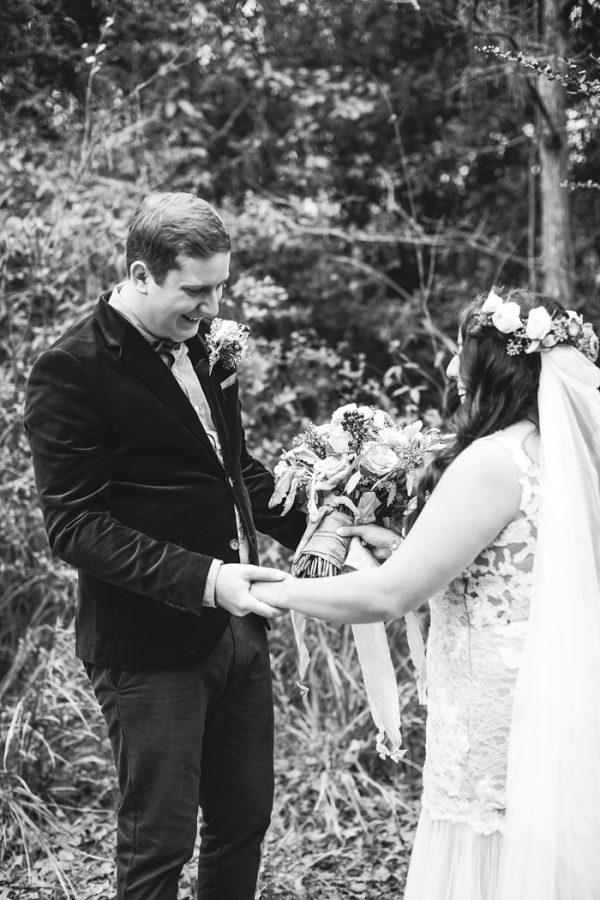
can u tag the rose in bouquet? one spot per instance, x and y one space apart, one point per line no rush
358 467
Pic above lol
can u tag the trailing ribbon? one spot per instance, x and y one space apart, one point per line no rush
377 668
375 661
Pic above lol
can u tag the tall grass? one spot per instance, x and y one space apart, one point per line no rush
53 754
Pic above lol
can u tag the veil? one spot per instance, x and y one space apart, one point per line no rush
552 840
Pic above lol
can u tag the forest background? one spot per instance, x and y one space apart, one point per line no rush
378 163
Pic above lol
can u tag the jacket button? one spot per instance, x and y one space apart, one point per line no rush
234 544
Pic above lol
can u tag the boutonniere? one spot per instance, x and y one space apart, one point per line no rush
227 343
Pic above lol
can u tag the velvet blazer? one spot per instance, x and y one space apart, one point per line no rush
133 494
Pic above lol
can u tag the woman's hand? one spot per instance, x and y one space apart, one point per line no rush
271 593
382 541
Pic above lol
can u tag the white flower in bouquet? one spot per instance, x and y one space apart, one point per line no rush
412 430
337 417
332 471
383 421
304 454
378 459
339 440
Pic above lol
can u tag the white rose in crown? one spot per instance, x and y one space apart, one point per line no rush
539 324
492 303
507 318
378 459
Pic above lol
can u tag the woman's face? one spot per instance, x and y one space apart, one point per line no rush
453 369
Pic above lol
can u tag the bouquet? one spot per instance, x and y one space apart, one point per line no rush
358 467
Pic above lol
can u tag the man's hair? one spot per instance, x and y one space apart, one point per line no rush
166 226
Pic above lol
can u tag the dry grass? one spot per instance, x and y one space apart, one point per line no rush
343 818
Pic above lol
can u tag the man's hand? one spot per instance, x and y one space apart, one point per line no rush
272 593
232 589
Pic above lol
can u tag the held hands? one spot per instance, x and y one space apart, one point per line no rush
381 541
232 589
272 594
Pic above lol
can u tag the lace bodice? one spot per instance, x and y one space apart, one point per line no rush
476 636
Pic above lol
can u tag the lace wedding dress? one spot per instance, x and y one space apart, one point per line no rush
477 631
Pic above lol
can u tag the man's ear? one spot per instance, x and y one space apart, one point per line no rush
139 275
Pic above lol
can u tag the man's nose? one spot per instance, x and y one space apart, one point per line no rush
210 302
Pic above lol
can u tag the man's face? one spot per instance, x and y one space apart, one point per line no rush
188 294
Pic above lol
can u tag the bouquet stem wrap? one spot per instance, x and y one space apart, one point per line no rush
322 550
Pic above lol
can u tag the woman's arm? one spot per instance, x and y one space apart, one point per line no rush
475 499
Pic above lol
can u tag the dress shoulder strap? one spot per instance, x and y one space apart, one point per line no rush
514 443
527 467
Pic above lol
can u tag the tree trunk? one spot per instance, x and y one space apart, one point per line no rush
556 243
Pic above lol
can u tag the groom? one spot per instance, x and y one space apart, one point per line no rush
147 488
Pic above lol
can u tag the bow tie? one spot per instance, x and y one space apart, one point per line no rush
165 345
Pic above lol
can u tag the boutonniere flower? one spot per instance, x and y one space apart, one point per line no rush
227 343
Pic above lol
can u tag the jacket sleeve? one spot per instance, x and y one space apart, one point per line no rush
259 482
69 435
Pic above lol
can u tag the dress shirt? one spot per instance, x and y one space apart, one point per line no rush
181 368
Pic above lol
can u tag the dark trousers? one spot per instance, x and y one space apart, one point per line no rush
184 738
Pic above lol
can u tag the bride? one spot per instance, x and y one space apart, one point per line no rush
505 545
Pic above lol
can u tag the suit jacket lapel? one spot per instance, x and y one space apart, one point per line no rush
136 353
199 358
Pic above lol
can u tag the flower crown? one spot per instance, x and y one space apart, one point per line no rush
539 331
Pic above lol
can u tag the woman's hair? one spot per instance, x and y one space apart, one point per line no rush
500 389
166 226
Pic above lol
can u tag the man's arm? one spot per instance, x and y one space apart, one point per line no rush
69 437
259 482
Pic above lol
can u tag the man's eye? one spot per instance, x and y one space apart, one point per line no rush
205 291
